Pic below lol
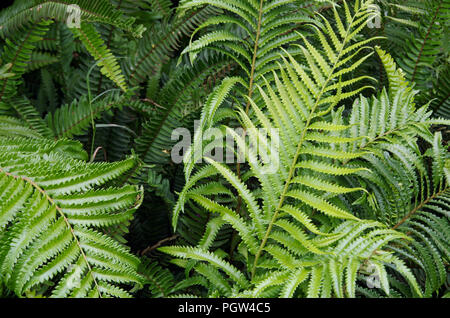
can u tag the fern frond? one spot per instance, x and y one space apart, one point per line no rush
18 52
73 119
289 236
156 141
29 115
53 213
97 48
159 43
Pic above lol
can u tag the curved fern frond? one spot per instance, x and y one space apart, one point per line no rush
52 216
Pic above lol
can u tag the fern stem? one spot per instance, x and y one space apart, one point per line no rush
158 244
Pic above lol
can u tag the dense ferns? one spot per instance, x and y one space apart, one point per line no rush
347 194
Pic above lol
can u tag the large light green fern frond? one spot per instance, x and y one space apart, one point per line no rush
53 213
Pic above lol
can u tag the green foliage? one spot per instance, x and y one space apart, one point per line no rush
339 183
55 209
284 244
18 52
423 50
23 13
95 45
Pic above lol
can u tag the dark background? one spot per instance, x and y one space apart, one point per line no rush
5 3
